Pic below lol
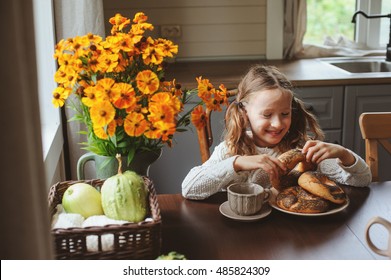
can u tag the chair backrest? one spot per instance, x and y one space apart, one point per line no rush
205 137
375 129
205 134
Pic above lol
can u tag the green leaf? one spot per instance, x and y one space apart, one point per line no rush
113 139
131 155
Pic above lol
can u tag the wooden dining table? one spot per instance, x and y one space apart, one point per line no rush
198 230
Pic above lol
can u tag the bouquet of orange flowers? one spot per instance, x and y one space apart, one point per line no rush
120 91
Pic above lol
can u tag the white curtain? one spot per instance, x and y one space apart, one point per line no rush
295 24
77 18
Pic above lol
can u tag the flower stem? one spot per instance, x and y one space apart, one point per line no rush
118 157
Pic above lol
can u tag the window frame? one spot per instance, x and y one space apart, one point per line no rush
367 32
51 127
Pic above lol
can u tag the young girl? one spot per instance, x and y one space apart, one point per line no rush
264 121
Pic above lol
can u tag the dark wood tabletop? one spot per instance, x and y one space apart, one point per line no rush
198 230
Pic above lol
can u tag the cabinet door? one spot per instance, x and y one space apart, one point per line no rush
325 103
360 99
332 136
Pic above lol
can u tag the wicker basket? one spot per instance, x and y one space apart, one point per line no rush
130 241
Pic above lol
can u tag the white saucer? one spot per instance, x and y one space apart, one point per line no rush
226 211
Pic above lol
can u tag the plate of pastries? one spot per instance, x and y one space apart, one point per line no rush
303 191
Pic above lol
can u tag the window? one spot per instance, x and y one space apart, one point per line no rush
385 23
46 67
333 18
329 18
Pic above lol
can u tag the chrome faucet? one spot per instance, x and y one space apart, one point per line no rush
388 49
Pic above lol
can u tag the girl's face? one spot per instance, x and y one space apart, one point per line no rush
269 113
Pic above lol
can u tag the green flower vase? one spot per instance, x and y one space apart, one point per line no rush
106 166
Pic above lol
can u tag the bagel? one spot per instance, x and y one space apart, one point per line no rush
293 160
296 199
290 179
320 185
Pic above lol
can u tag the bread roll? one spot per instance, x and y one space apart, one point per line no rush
320 185
295 163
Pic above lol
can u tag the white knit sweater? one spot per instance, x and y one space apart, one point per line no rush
218 172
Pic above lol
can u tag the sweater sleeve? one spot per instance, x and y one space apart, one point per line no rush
212 176
217 173
358 174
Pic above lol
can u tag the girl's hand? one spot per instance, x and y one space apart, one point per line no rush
269 164
316 151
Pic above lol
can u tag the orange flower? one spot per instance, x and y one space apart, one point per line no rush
135 124
164 130
212 97
119 23
140 18
198 117
168 99
123 96
59 96
102 113
103 132
66 75
161 112
105 85
125 102
107 62
152 53
203 85
89 97
140 24
147 82
167 47
152 133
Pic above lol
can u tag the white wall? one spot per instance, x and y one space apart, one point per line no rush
215 29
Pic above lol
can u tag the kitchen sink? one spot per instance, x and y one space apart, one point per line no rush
361 65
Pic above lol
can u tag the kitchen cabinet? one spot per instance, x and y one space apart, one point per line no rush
326 103
338 109
360 99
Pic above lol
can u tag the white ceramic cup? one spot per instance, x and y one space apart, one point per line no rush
381 221
246 199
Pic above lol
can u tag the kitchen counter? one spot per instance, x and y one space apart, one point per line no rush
302 73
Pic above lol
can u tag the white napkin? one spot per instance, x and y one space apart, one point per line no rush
106 239
66 220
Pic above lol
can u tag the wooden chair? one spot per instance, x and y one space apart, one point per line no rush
205 138
205 135
375 129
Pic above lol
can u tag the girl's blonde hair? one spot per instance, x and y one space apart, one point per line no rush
304 125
